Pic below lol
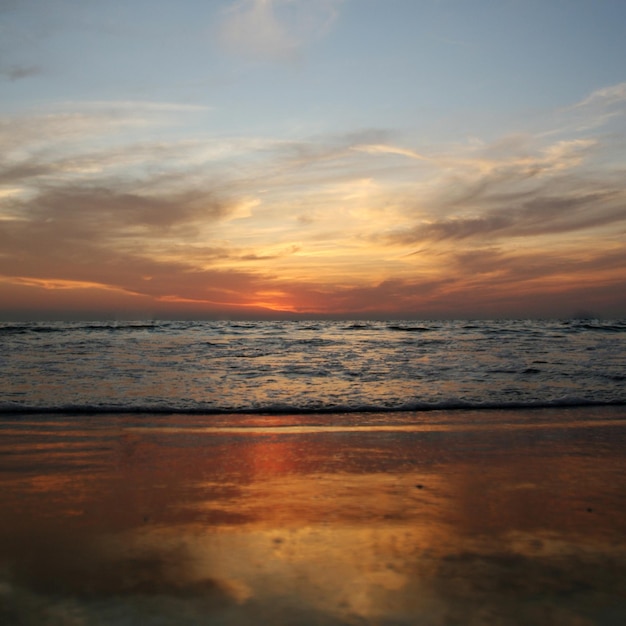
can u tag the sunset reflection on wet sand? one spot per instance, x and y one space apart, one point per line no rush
493 517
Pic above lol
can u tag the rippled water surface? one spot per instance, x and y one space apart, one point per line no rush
282 366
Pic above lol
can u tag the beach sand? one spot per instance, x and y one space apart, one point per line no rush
459 518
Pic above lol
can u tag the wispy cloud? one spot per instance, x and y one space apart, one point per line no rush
603 108
514 189
538 216
606 97
387 149
68 123
544 212
89 140
19 72
275 29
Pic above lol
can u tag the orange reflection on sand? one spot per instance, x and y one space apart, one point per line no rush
317 525
270 456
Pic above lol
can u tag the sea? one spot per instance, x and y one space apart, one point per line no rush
281 367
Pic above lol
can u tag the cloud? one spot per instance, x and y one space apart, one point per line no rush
80 141
275 29
100 209
605 97
323 162
102 235
385 296
604 107
386 149
88 120
19 72
124 245
12 173
139 108
504 267
539 215
546 282
514 189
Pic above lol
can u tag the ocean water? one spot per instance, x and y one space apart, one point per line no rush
317 366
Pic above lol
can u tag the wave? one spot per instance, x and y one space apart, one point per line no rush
280 409
487 326
20 329
409 329
607 328
612 326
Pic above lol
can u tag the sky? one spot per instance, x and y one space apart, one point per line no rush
312 158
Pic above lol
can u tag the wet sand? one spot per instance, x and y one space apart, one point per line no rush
460 518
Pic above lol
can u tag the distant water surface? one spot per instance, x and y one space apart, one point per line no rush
274 367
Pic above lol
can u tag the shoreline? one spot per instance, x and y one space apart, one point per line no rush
413 408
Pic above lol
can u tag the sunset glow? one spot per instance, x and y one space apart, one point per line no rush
294 158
